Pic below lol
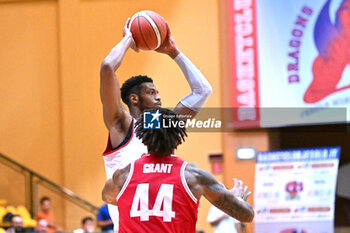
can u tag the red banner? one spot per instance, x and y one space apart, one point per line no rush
243 63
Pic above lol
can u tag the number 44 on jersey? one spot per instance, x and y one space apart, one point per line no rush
141 198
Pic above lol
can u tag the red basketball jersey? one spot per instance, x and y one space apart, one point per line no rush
155 197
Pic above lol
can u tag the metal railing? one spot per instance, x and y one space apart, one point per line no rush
33 180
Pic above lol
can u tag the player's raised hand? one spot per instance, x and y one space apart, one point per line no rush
127 34
239 190
168 47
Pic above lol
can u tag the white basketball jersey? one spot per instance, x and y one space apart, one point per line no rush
119 158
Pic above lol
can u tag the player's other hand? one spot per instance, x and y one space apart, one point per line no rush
127 34
168 47
239 190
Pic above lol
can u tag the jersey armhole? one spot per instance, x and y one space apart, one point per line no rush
184 183
128 137
131 172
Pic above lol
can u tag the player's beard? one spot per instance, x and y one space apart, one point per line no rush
142 104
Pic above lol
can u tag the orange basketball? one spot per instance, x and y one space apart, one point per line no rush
148 30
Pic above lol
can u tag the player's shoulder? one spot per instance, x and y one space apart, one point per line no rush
197 175
193 174
195 178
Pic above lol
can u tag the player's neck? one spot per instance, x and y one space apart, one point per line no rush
135 112
159 155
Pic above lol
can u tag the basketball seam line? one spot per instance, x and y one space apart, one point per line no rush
138 22
154 27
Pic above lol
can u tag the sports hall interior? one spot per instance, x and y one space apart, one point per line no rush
51 113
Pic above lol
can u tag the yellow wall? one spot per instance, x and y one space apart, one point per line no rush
51 50
30 90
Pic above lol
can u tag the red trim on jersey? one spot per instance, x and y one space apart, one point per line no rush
126 183
185 185
109 150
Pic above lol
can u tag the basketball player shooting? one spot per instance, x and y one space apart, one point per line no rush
160 192
139 93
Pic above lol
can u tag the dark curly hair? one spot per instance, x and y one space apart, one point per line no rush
161 141
133 86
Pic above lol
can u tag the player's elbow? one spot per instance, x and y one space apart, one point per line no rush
207 90
105 196
203 92
106 67
244 213
249 215
108 198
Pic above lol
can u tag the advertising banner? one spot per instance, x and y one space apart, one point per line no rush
295 187
289 54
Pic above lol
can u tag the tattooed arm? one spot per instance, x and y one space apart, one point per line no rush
203 183
114 185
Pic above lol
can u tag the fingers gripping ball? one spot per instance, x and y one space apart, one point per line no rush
148 30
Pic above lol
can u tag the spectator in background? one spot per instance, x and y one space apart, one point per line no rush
16 224
87 226
45 213
104 221
224 223
221 221
41 226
